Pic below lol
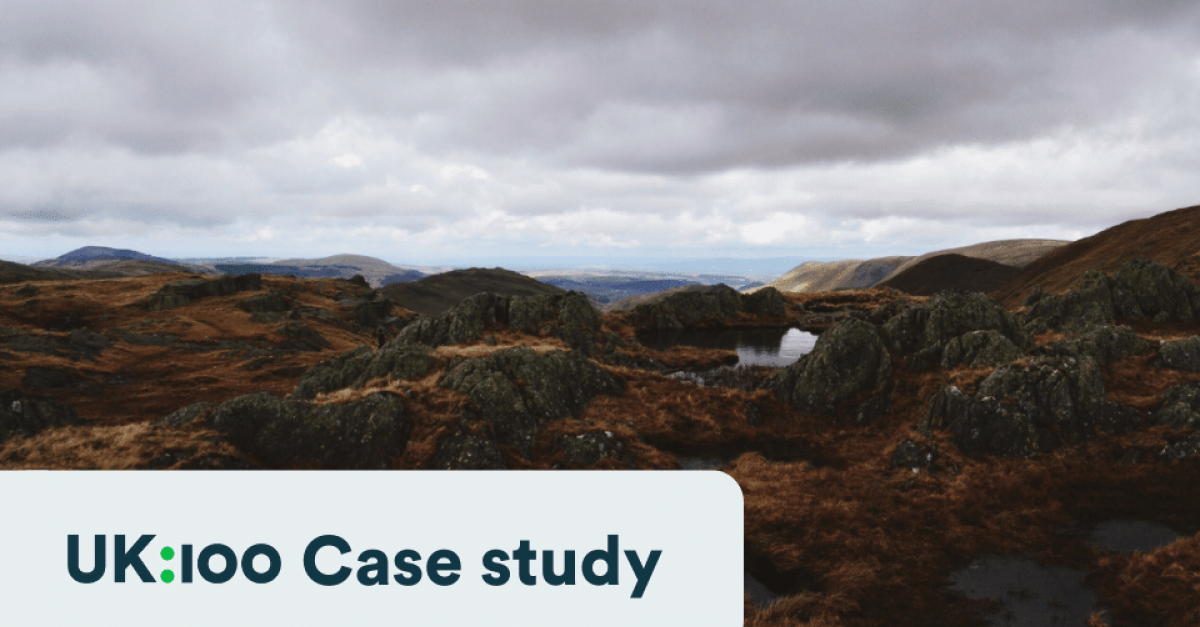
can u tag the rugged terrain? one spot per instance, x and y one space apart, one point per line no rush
439 292
919 435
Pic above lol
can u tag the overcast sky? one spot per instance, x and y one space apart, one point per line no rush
455 130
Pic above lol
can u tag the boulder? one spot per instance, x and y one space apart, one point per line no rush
765 302
1180 355
355 368
1181 407
369 313
462 450
920 332
1027 410
980 348
570 315
24 415
289 433
302 337
586 449
1104 343
517 390
848 374
909 454
692 306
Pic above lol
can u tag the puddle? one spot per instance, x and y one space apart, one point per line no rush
774 347
1030 595
703 462
760 595
1127 536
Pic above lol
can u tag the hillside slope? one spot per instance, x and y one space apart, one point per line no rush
1172 238
830 276
952 272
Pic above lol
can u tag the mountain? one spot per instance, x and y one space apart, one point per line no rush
434 294
830 276
377 272
1172 238
952 272
94 253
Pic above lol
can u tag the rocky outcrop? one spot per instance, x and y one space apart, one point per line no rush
290 433
570 317
586 449
269 302
355 368
1181 407
517 390
1027 410
921 332
372 311
848 374
980 348
469 449
1180 355
1137 290
704 305
23 415
1103 343
301 337
179 293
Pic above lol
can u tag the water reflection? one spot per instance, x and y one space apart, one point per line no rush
774 347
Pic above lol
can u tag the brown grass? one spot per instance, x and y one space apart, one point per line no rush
125 447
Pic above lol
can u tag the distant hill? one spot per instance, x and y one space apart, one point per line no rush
1172 238
952 272
377 272
830 276
11 272
436 293
116 262
93 253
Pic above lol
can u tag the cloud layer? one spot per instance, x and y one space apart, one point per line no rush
420 131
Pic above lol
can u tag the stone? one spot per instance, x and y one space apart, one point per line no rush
586 449
1180 407
271 301
1180 355
980 348
920 332
186 415
368 433
848 374
25 415
518 390
179 293
1104 343
1026 410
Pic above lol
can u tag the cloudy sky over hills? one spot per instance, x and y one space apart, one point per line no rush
448 130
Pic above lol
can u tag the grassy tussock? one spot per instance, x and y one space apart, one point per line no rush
124 447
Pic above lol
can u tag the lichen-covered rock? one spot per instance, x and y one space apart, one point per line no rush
1104 343
333 374
1138 289
980 348
1027 410
269 302
355 368
185 415
23 415
179 293
517 390
921 332
1181 407
570 317
848 374
39 378
369 313
909 454
463 450
586 449
290 433
691 306
766 302
1180 354
302 337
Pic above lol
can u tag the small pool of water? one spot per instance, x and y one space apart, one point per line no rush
1127 536
774 347
1030 594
